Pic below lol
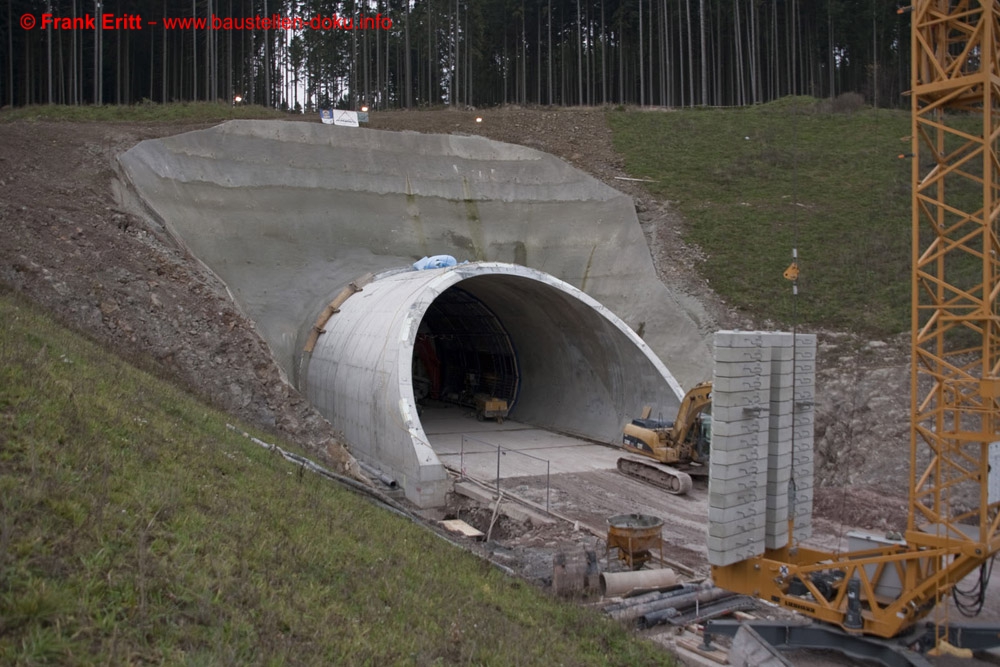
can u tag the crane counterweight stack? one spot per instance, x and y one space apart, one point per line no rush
762 444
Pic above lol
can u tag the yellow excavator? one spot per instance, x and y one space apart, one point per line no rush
682 445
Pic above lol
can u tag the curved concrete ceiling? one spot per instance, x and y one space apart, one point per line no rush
580 370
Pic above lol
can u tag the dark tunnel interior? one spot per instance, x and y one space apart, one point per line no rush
463 355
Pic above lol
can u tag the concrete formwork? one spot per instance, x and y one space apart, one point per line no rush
581 370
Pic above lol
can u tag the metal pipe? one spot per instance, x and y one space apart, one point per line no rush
651 618
666 602
627 612
652 596
697 612
548 470
378 474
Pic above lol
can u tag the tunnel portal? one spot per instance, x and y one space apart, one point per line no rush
410 340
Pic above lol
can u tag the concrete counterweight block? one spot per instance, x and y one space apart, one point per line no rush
751 424
743 455
760 375
740 369
731 443
743 511
742 355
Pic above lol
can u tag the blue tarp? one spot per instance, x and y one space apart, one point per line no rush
435 262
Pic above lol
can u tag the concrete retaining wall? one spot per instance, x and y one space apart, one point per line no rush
287 213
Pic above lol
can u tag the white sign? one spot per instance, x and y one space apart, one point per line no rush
345 118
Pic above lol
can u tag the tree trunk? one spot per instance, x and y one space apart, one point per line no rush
407 74
538 56
430 58
690 42
604 58
456 77
738 91
650 62
704 60
10 56
550 51
642 64
579 53
48 49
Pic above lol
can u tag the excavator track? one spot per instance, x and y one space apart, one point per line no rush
672 481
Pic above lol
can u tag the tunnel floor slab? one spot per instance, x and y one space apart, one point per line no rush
462 442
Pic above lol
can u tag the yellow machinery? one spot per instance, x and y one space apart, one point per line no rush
954 523
683 442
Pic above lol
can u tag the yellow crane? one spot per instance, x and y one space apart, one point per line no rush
954 522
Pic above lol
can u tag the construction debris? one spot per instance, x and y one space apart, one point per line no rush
462 528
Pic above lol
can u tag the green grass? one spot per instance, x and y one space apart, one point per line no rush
736 176
207 112
136 528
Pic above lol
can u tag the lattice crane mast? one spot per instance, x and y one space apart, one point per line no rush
954 522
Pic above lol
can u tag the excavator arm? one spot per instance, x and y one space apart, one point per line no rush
693 404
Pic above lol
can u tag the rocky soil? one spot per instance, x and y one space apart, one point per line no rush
68 247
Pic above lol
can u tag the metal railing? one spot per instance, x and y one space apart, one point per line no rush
469 446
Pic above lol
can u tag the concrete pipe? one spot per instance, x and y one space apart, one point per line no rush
614 584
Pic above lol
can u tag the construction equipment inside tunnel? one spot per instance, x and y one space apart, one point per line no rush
463 355
410 343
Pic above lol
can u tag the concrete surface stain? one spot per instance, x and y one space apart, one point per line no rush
586 272
520 253
413 211
461 242
475 223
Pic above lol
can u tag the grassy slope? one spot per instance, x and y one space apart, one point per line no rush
735 175
134 527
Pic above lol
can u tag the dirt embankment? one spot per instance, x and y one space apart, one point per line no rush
69 247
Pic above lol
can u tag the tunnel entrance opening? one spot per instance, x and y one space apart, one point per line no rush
463 356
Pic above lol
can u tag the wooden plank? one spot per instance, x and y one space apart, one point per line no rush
459 526
718 656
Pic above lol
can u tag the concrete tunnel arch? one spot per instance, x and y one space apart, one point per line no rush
577 368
